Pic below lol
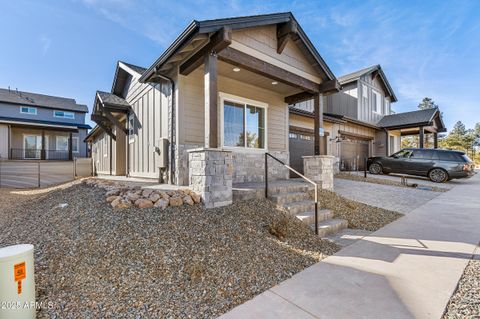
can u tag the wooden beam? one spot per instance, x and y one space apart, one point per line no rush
435 140
266 69
285 32
299 97
329 87
99 119
211 117
421 137
115 121
317 124
218 41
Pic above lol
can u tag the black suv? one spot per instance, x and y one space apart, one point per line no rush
439 165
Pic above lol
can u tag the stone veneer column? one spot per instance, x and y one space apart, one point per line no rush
210 175
319 168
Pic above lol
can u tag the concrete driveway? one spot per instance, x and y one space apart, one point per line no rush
400 199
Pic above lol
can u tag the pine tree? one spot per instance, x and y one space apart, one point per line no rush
427 103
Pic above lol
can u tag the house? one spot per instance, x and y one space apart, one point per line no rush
222 84
359 122
41 127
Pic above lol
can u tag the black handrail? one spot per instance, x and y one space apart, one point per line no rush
299 174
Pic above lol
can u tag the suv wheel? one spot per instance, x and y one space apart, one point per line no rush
438 175
375 168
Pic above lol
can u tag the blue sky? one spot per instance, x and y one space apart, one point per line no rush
70 47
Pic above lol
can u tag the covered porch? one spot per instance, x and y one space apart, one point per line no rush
39 141
425 124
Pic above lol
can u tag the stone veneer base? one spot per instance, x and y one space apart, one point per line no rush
319 168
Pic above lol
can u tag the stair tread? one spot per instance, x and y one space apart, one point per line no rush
312 212
331 222
299 203
289 194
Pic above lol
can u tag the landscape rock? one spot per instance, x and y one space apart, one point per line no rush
176 201
143 203
112 198
147 192
162 203
196 198
116 202
133 197
188 200
154 197
113 192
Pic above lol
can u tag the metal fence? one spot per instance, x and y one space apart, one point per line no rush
29 153
36 173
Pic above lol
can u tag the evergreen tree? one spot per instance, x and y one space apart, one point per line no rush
427 103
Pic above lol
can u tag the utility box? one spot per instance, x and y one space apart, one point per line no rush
161 148
17 282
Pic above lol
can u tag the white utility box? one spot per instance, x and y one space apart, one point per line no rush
17 282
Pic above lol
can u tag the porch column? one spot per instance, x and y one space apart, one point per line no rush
42 154
435 140
211 107
421 137
319 141
70 149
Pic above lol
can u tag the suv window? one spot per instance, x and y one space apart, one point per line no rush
448 156
402 154
422 154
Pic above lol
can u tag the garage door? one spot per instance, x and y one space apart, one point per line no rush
352 154
301 144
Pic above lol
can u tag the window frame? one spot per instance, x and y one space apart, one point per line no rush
241 100
387 106
131 128
57 138
75 140
365 95
64 113
377 97
28 108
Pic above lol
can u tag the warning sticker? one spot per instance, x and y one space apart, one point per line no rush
19 287
19 271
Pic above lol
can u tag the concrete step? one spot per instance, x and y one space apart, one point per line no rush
309 217
294 187
302 206
284 198
331 226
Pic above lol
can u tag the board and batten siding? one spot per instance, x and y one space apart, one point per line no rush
365 108
150 105
261 42
192 112
344 102
101 154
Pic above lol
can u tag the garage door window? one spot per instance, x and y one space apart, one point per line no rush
243 125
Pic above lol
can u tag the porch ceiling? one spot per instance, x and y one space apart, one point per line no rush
226 69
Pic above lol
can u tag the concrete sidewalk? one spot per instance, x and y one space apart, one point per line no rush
408 269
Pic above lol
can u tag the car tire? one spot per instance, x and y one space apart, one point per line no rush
375 168
438 175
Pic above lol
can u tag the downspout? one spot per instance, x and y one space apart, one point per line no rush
172 125
111 159
127 144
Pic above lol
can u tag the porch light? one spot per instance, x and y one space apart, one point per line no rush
274 83
236 69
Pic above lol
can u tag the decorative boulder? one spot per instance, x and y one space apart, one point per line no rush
112 198
116 202
147 192
124 204
143 203
176 201
196 198
154 197
188 200
113 192
133 197
162 203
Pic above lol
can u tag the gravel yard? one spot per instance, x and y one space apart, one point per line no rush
358 215
182 262
465 302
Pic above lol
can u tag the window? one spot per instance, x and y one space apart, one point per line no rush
292 135
377 102
64 114
402 154
243 125
32 145
387 106
131 128
306 137
392 144
422 154
364 95
62 143
105 147
28 110
447 156
75 145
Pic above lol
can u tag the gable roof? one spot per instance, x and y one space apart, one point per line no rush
354 76
122 72
41 100
415 118
235 23
112 100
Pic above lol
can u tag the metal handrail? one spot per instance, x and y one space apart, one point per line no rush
299 174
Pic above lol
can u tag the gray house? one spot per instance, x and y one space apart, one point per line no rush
41 127
359 121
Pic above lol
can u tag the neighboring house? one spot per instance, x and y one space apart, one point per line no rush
359 121
41 127
230 79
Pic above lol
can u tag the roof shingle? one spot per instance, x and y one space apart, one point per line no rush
35 99
408 118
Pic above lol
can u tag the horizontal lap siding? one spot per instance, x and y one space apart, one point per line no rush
192 113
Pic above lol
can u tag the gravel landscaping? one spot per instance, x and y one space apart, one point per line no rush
465 302
94 261
382 181
358 215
